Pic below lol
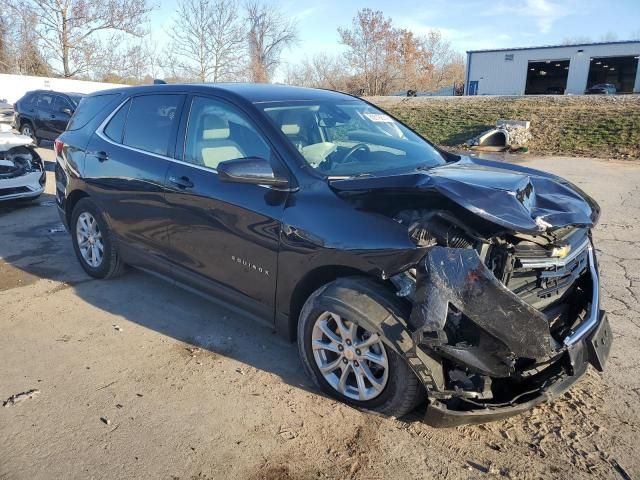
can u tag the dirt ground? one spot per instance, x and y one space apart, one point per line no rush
138 379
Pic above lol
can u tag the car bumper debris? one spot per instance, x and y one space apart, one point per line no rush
500 356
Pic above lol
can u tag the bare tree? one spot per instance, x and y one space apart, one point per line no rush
411 60
370 41
319 71
130 63
446 65
269 34
387 59
69 31
19 51
207 40
6 62
228 41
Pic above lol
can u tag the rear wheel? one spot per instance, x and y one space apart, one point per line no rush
28 130
93 241
349 361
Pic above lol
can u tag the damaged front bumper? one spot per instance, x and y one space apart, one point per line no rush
22 174
497 353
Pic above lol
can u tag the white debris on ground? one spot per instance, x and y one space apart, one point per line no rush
20 397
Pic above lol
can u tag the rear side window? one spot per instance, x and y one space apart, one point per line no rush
88 108
45 100
28 98
152 122
115 127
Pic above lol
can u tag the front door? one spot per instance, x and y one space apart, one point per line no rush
58 119
43 115
225 232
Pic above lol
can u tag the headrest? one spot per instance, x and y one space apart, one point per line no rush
215 128
290 129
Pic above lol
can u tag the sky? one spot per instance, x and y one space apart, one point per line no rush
467 24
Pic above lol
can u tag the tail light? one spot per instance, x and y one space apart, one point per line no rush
57 146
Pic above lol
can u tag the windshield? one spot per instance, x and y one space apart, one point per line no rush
348 138
75 98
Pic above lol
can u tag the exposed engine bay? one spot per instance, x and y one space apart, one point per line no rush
22 173
505 302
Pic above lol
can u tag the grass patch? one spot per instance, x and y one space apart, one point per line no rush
598 126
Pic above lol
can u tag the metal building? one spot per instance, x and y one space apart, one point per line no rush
561 69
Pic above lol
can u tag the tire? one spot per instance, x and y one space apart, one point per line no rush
356 301
110 264
28 130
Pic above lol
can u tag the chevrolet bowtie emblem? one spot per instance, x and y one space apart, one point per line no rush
561 252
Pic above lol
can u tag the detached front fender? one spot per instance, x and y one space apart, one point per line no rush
458 277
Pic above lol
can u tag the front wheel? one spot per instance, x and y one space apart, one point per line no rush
349 361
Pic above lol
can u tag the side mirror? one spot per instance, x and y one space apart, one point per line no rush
252 170
66 110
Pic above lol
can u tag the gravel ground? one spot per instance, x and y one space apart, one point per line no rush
137 379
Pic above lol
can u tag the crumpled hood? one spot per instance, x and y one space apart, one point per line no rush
10 140
514 197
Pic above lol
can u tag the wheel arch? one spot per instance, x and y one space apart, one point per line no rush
23 120
311 282
72 199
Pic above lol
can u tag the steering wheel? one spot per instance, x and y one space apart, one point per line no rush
353 150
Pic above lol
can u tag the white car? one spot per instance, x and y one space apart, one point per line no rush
22 174
6 113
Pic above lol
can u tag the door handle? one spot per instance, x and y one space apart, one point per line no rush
53 116
182 182
101 156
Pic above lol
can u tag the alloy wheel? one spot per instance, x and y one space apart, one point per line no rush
351 359
89 239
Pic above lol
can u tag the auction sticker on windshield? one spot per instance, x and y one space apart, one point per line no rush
379 117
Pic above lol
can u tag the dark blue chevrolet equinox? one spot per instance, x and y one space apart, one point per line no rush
406 274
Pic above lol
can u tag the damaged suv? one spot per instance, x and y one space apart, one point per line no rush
404 272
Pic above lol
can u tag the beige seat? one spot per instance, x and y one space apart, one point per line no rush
215 145
291 126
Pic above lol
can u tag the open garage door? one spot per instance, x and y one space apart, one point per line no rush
548 77
618 71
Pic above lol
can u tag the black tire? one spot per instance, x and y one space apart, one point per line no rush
111 265
31 133
359 300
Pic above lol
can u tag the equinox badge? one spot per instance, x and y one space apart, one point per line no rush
247 263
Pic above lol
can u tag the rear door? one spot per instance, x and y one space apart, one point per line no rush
125 167
226 232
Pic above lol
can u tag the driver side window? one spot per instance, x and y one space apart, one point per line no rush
60 103
217 132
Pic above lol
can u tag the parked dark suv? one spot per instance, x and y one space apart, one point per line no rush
44 114
404 272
